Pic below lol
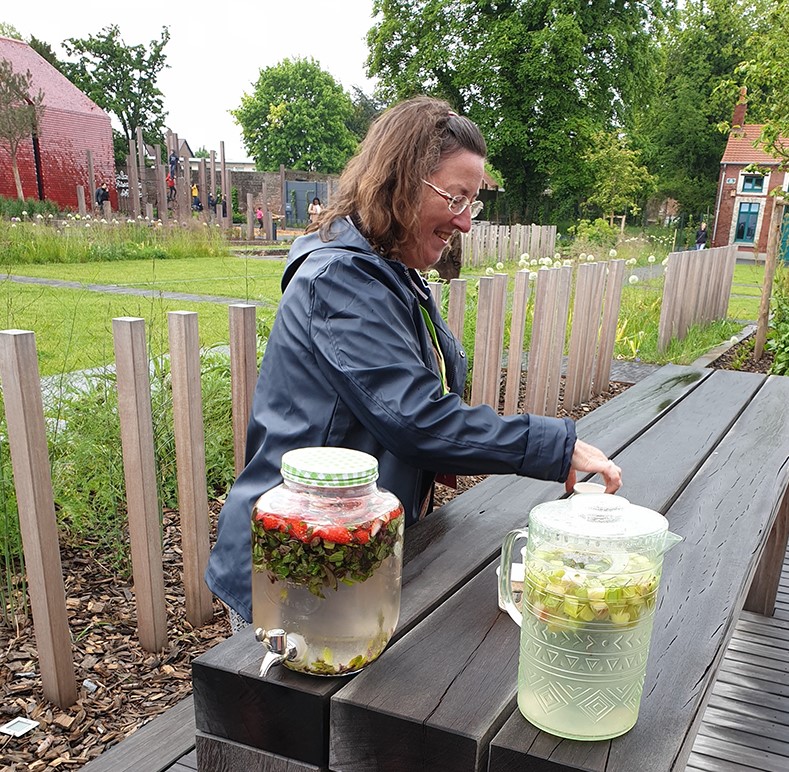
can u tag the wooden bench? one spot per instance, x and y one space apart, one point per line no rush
707 448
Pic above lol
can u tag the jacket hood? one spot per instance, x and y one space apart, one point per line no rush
344 236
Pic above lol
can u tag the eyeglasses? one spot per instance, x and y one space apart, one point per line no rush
457 204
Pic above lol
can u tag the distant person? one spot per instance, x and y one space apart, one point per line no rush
701 236
314 209
171 191
195 197
173 160
259 217
102 195
212 203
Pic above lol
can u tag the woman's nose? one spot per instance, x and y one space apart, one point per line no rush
462 221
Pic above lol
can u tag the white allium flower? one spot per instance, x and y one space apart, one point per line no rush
523 263
631 261
432 275
612 253
13 225
524 256
499 266
534 261
633 279
533 276
24 213
557 263
50 215
651 259
557 256
87 225
567 263
590 258
665 261
582 256
489 271
734 339
39 216
104 220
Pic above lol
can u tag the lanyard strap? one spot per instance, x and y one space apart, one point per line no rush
439 355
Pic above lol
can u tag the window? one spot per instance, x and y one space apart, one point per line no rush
746 222
752 183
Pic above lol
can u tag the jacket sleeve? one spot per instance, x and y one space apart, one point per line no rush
368 343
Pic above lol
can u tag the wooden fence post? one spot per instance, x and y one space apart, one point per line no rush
561 307
481 339
517 327
437 291
612 304
243 374
769 273
134 180
495 343
190 461
33 481
81 208
457 307
139 469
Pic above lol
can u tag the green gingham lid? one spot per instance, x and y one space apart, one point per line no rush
329 467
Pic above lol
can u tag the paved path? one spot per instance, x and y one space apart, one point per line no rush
114 289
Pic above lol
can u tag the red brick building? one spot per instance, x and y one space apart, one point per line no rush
743 206
72 124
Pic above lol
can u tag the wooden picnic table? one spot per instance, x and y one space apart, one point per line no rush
707 448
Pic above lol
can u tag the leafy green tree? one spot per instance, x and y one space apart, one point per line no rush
20 113
9 31
297 115
539 78
678 131
365 110
121 79
45 51
202 152
766 75
619 181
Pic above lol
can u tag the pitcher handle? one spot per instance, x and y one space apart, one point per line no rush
505 579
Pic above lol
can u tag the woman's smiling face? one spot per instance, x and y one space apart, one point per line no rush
459 174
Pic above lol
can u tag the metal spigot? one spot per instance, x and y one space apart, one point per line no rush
279 648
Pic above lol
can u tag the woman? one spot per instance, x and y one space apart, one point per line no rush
314 209
359 355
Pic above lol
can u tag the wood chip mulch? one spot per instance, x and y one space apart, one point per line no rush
121 686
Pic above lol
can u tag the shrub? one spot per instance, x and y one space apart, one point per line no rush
778 337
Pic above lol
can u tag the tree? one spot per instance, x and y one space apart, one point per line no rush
9 31
619 182
765 73
121 79
20 114
297 115
45 51
365 110
539 78
678 131
202 152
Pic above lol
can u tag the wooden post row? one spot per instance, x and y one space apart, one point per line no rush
481 337
456 313
250 217
243 374
613 302
32 478
190 462
144 512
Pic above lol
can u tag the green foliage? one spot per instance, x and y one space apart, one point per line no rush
766 75
678 130
28 208
121 79
297 115
618 181
778 338
597 233
9 31
44 50
538 78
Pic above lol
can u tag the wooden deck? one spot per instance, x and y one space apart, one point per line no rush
746 724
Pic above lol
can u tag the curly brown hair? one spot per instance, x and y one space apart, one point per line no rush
381 187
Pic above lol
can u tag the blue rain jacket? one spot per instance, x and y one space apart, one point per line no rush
350 363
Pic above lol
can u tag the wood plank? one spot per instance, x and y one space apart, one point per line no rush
761 596
481 338
153 747
186 763
27 439
215 754
139 470
748 732
184 339
748 757
520 300
700 762
750 702
243 374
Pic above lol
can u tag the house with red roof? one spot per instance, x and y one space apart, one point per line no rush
54 162
744 206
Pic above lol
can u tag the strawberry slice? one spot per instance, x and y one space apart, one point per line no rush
333 533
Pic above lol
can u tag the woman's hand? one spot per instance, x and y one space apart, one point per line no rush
587 458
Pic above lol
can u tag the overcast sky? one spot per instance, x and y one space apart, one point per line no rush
216 49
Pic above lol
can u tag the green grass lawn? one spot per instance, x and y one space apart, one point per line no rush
73 328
